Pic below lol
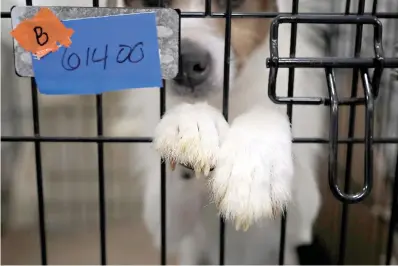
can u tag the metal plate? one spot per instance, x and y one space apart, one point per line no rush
168 26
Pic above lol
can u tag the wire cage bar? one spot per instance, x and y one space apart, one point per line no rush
360 70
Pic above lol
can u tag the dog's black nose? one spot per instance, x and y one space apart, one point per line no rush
195 62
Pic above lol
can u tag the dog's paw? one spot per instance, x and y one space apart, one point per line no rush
253 176
191 134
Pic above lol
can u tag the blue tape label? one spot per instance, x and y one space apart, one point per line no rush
107 54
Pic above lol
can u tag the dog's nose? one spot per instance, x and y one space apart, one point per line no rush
195 62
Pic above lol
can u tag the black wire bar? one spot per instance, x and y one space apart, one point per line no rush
360 68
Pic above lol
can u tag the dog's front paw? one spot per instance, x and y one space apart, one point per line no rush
190 134
253 176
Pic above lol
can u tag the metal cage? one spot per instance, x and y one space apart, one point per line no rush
360 71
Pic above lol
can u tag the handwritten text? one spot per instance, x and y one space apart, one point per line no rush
126 54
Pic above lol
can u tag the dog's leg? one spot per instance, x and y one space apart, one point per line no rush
189 134
291 257
307 198
185 200
193 248
189 253
254 170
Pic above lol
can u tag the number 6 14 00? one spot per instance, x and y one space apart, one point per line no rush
126 54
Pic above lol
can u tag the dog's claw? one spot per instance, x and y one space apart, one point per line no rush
172 165
244 224
197 174
206 171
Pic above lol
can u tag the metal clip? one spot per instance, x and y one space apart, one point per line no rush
333 136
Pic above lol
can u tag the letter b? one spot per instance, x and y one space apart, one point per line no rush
41 37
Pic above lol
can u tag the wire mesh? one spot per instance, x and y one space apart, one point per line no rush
360 68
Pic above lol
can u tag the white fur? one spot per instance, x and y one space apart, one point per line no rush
255 151
255 173
266 172
254 169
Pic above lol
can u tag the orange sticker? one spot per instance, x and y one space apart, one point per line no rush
40 34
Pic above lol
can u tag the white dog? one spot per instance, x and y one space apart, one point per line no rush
257 171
